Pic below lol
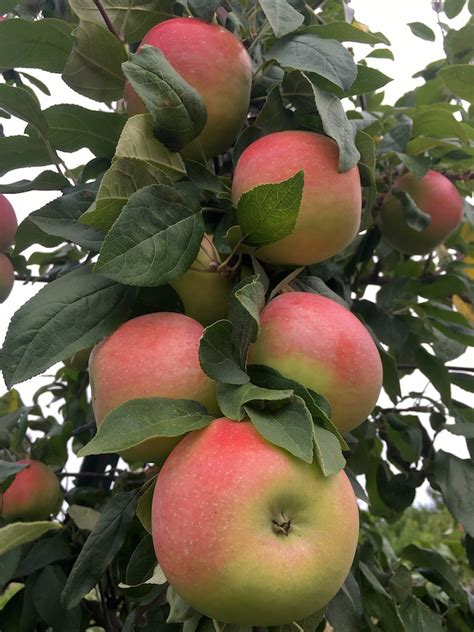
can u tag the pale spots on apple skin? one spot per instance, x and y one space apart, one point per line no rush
330 210
316 341
215 499
155 355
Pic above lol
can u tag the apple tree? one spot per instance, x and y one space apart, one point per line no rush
257 235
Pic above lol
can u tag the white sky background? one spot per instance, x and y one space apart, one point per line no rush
411 55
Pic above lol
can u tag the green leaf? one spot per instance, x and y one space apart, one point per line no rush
439 286
72 127
144 507
94 66
452 8
137 141
101 547
345 609
414 216
131 18
217 355
439 123
177 109
203 9
328 451
398 136
336 125
45 181
120 182
24 105
391 379
18 533
45 44
421 30
180 610
17 152
233 398
29 234
437 569
435 371
459 78
47 601
315 285
310 53
84 517
283 18
463 335
381 53
290 427
60 218
463 380
345 32
142 563
73 312
274 116
245 304
8 471
269 212
417 617
155 239
367 80
317 404
137 420
419 165
455 479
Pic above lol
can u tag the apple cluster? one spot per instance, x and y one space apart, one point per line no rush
8 226
244 531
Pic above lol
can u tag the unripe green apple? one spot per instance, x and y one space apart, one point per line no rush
155 355
8 223
435 195
247 533
34 494
215 63
7 277
322 345
330 210
204 291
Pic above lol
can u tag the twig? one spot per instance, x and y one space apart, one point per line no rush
86 475
466 369
107 20
427 264
34 279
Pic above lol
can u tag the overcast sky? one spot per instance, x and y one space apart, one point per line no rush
411 55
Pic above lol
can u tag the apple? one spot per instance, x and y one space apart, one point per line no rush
330 210
203 290
8 223
322 345
215 63
7 277
34 494
155 355
435 195
247 533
